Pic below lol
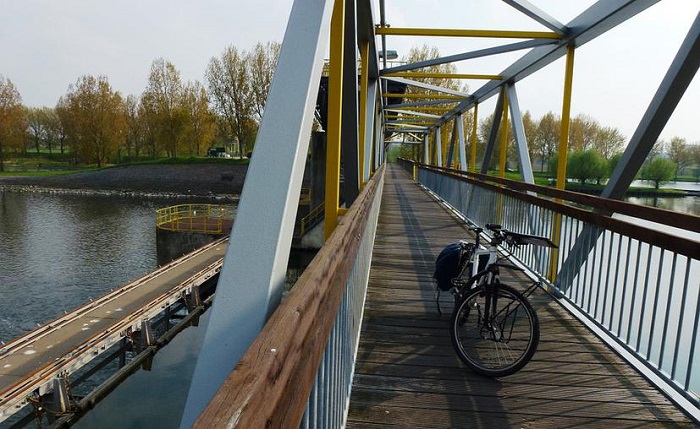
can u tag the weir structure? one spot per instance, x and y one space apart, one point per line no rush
291 364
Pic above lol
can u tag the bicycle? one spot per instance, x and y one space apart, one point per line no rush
493 328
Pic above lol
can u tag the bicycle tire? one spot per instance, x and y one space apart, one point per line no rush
504 349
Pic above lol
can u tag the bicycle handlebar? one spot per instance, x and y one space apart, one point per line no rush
501 235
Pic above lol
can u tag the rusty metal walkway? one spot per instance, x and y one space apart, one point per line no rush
28 364
408 375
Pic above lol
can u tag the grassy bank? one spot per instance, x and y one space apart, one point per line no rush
44 164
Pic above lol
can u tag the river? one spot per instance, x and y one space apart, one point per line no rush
58 251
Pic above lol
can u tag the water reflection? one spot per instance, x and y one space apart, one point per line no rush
689 205
57 251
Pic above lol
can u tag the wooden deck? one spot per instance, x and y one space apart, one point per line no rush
407 374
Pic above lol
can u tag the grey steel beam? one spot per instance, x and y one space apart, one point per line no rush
407 130
427 86
451 151
350 105
251 282
413 113
422 103
365 33
520 137
538 15
378 138
470 55
438 146
672 87
460 141
371 115
426 152
409 120
491 143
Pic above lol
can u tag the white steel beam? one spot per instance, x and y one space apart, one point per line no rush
538 15
520 137
491 143
438 146
252 278
460 142
427 86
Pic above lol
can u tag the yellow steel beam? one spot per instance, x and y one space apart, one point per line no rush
475 126
429 96
452 32
364 83
335 113
444 75
561 163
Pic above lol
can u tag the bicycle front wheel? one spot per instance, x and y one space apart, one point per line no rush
497 343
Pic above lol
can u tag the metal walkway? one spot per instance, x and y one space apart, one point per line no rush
408 375
30 363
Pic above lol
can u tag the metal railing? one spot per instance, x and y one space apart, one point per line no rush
312 219
298 371
196 218
633 277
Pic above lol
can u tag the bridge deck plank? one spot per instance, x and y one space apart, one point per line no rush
408 375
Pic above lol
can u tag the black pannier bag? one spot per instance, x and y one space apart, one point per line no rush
450 262
447 264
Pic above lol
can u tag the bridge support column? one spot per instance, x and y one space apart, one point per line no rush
475 128
147 338
520 137
493 133
61 400
461 149
563 153
438 146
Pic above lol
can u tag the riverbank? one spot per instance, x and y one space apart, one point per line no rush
221 181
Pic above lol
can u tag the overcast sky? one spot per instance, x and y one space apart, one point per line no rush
47 45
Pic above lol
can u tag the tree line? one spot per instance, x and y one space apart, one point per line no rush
95 124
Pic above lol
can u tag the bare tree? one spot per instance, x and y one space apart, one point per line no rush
262 62
231 94
201 122
608 141
546 138
134 126
163 103
679 153
35 127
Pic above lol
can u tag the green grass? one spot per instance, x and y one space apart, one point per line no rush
188 161
45 164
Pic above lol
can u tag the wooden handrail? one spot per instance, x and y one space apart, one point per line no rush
270 385
673 243
604 205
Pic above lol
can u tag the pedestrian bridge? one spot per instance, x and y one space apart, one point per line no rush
357 341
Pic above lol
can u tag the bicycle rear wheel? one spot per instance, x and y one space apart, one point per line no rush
499 343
